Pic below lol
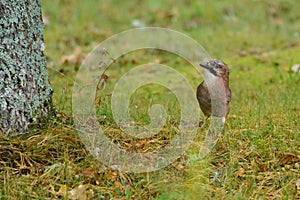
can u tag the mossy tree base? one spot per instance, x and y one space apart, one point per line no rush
25 92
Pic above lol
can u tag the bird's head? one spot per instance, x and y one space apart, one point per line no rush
216 68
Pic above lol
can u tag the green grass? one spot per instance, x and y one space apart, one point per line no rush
256 158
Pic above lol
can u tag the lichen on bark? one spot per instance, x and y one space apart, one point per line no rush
25 92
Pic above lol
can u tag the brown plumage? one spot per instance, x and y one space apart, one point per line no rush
215 86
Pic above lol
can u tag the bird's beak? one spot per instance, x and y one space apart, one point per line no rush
205 65
210 69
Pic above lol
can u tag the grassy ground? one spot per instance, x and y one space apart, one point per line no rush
258 157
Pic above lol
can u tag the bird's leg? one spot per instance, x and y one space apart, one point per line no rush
203 122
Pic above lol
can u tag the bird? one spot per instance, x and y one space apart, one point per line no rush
214 90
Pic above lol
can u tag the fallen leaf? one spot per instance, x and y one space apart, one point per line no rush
118 185
240 172
110 175
298 184
243 53
179 166
97 182
288 159
277 21
259 177
102 82
59 115
73 58
62 190
141 144
78 193
88 172
263 167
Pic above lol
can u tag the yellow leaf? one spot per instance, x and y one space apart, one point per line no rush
240 172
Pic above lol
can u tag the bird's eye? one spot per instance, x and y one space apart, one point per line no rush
218 66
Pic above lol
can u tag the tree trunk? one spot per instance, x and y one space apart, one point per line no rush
25 92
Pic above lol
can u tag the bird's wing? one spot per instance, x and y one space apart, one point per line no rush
229 95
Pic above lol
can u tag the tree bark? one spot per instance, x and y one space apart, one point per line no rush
25 92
